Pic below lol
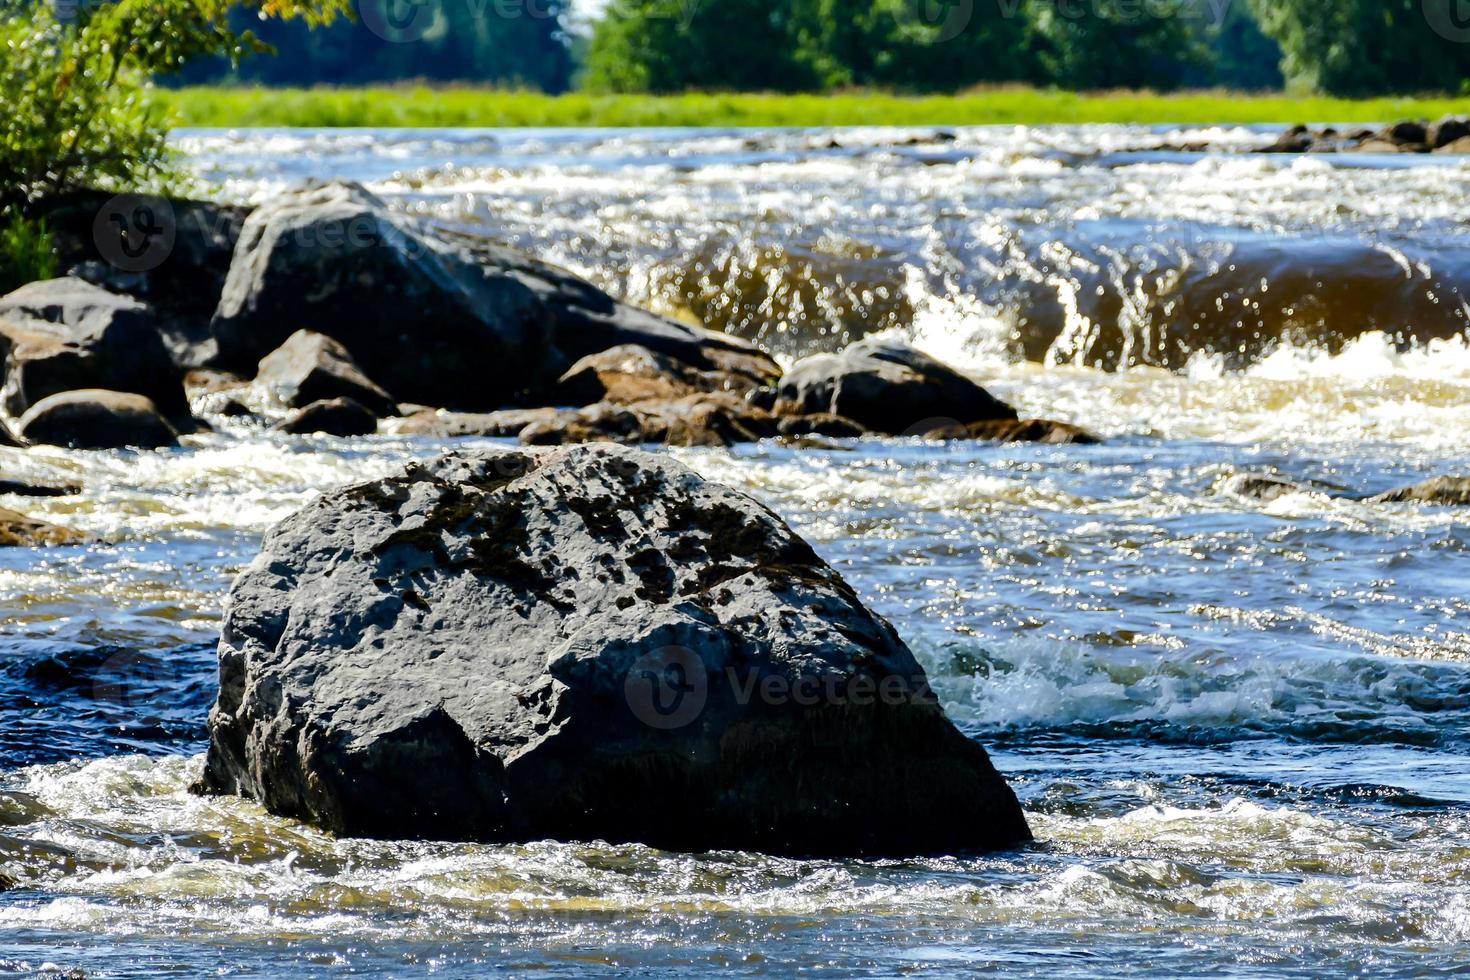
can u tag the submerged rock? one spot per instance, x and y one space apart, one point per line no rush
19 531
98 419
311 367
450 322
341 417
584 643
1443 491
26 488
888 388
1046 431
65 335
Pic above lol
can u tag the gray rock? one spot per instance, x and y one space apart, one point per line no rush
66 334
1442 491
887 387
450 322
311 367
583 643
341 417
98 419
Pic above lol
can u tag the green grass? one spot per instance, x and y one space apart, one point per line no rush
404 106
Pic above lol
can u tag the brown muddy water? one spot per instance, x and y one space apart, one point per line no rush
1239 728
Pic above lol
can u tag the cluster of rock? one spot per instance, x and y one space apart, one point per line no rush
1451 135
336 313
581 643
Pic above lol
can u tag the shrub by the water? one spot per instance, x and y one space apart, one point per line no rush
27 252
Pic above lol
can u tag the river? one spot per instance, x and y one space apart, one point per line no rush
1241 729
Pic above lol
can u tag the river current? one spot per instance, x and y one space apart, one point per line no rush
1241 729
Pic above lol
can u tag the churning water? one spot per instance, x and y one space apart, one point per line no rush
1241 729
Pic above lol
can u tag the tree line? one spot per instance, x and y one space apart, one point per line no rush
1341 47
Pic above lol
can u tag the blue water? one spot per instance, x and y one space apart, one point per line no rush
1241 729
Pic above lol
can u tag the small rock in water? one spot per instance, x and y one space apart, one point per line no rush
886 387
577 644
19 531
312 367
96 419
341 417
1443 491
26 488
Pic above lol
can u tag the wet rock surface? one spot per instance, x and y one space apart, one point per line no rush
66 334
311 367
435 319
20 531
340 417
528 644
98 419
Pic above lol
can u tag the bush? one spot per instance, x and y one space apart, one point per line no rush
74 81
27 253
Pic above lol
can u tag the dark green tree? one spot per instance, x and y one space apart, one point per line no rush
1117 44
1371 47
674 45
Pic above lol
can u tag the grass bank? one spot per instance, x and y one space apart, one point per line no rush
407 106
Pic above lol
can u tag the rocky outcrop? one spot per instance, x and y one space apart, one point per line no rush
98 419
19 531
1442 491
888 388
66 334
695 420
311 367
1409 136
435 319
341 417
629 374
575 644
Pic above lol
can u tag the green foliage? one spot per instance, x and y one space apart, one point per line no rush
504 42
1360 47
1119 45
675 45
74 81
27 252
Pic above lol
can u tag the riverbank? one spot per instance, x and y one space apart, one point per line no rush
470 107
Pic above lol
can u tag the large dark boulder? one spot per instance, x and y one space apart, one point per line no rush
97 419
67 334
311 367
582 643
887 387
440 320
